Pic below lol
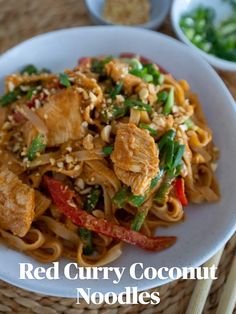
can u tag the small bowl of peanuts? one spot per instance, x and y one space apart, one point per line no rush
148 14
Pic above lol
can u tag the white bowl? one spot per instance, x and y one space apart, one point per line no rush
223 9
159 10
207 226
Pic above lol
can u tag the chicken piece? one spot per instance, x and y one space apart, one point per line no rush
61 114
119 71
135 157
17 203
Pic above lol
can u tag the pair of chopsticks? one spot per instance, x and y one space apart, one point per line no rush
202 288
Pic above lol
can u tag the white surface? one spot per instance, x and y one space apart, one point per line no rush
222 9
207 226
159 10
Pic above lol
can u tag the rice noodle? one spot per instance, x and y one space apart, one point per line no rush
34 119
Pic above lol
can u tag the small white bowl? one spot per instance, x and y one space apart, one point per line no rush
159 10
222 9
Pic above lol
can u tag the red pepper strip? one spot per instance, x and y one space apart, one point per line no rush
62 196
84 61
179 187
143 60
18 117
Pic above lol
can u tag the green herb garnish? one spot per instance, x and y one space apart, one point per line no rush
137 104
30 93
64 80
138 221
29 69
120 197
147 127
8 98
107 150
162 96
38 145
116 91
169 102
189 123
92 199
86 238
97 66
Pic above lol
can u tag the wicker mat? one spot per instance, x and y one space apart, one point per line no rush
23 19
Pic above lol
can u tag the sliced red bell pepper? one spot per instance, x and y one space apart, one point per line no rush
62 196
18 117
143 60
84 61
180 191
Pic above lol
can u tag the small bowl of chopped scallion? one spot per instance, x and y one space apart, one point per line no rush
208 27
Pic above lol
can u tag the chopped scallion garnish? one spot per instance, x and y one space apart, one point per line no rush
169 102
29 69
92 199
107 150
86 238
64 80
138 221
38 145
147 127
133 103
116 91
8 98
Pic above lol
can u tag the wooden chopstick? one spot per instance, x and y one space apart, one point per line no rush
228 297
202 288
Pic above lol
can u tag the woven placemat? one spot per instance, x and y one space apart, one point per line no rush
23 19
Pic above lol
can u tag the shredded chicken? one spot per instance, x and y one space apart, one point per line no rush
62 117
135 157
17 203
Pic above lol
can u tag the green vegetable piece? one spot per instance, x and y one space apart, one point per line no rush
189 123
107 150
120 197
148 78
169 102
29 69
147 127
97 66
169 150
116 91
157 77
161 79
64 80
118 112
92 199
133 103
37 145
162 96
30 93
168 136
156 179
138 221
86 238
178 156
135 64
136 200
139 73
8 98
163 190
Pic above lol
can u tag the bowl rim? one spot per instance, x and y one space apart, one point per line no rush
213 60
155 22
